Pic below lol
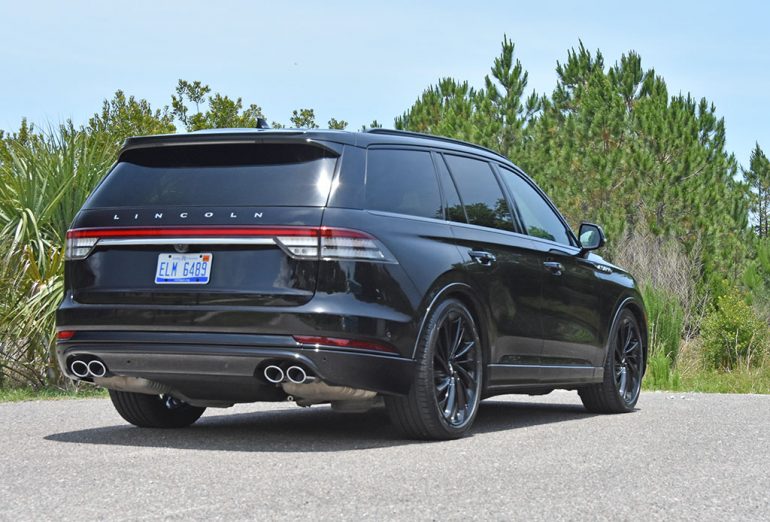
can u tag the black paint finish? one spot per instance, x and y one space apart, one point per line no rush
544 311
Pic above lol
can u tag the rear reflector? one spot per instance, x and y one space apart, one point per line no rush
344 343
298 242
65 335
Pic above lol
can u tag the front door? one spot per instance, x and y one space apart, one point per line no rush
570 304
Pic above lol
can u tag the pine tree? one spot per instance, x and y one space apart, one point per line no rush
495 116
608 145
758 178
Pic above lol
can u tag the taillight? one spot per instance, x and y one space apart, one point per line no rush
299 246
344 343
336 243
78 247
298 242
351 244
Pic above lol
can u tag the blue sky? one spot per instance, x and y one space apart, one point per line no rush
359 61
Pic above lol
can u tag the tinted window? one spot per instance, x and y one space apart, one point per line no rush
539 218
454 210
402 181
218 175
484 202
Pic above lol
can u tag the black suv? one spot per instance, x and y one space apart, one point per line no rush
244 265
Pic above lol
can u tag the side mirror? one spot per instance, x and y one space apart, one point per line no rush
591 237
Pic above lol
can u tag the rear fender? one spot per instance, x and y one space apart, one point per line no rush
446 288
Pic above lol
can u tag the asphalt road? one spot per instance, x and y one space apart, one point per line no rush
679 456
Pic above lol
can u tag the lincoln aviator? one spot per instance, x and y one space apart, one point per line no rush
356 269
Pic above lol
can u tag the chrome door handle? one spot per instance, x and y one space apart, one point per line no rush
554 267
481 257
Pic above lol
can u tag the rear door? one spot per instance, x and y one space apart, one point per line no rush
500 265
221 223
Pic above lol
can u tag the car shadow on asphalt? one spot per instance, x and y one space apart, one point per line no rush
315 429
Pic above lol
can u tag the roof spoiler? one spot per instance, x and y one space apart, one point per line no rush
229 137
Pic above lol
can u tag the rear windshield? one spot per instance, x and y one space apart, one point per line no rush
218 175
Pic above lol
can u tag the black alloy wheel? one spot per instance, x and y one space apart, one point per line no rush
446 390
628 361
623 370
455 368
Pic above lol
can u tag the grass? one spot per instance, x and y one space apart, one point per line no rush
690 374
756 380
31 394
753 380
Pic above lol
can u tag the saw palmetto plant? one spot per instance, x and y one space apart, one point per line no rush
44 180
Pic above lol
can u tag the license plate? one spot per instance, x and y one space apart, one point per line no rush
183 269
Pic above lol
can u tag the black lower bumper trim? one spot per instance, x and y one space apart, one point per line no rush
234 372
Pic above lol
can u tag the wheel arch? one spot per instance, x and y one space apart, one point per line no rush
463 292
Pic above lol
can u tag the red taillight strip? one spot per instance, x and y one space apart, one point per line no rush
65 335
342 232
344 343
225 231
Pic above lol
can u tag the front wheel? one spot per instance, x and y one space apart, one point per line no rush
623 370
154 411
446 390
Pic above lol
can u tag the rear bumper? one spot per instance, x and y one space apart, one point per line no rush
228 367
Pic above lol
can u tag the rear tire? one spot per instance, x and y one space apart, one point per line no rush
446 390
623 370
154 411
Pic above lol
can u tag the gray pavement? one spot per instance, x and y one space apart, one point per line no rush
678 457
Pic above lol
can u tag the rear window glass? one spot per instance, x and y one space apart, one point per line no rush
404 182
219 175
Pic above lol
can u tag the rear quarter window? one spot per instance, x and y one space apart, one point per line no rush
219 175
485 204
402 181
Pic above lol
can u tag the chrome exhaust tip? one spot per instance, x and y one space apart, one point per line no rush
296 374
274 374
97 368
79 369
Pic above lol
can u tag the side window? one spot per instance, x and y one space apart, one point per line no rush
539 218
454 209
402 181
484 202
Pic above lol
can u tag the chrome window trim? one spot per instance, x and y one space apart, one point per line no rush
385 213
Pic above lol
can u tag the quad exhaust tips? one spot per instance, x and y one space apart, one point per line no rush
294 374
82 368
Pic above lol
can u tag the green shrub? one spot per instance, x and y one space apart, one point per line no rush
733 334
666 321
661 373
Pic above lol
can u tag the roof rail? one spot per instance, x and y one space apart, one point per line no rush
394 132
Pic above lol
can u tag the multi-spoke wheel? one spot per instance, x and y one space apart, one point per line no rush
628 361
623 370
447 386
154 411
455 368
